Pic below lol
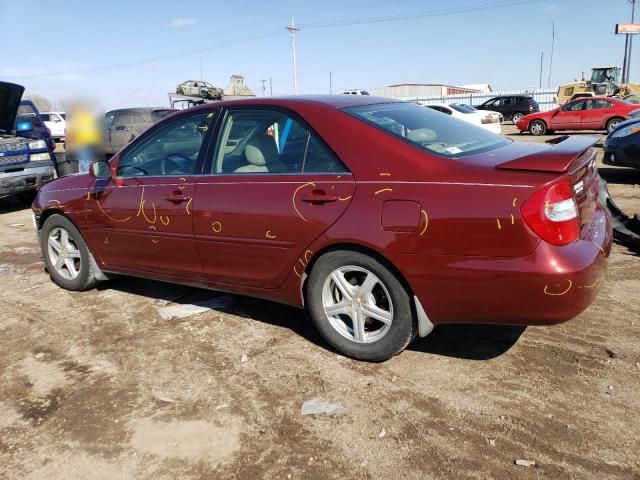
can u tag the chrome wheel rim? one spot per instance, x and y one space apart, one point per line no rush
64 253
516 118
536 128
613 124
357 304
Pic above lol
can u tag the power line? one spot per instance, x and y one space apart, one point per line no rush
418 15
170 56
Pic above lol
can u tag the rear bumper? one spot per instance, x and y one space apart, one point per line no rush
551 285
25 180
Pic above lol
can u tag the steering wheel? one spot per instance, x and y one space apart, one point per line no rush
169 165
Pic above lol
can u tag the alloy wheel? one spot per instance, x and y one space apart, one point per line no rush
517 117
64 253
357 304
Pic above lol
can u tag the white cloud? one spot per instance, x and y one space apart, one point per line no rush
182 22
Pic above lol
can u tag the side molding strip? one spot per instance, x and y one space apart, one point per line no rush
425 327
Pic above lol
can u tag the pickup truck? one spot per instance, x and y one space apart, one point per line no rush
25 163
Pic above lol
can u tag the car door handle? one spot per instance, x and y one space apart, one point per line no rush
177 197
318 197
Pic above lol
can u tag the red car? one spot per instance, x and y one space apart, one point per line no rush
592 113
382 218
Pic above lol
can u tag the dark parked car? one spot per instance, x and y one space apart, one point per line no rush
412 219
122 126
512 107
622 146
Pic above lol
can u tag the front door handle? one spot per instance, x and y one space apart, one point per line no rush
178 197
318 197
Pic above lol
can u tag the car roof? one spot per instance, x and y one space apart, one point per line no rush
332 101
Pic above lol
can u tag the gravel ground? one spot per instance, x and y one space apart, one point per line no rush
98 385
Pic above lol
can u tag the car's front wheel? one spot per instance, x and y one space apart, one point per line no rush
537 127
517 117
204 94
359 306
66 255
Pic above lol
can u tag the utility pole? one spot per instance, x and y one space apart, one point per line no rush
263 87
633 15
628 41
293 29
541 58
270 87
330 86
553 41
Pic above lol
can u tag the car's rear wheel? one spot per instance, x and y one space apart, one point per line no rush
517 117
66 255
537 127
204 94
359 306
611 124
180 91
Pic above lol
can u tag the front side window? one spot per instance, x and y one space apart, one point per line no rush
575 106
171 149
266 141
424 128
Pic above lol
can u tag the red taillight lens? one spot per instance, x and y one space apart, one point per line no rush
552 213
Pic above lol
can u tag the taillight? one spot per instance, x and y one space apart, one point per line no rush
531 108
552 213
488 119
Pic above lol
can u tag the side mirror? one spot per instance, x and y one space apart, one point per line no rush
24 126
100 169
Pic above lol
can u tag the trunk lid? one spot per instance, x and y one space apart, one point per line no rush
10 96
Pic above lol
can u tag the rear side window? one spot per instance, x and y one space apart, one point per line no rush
426 129
45 117
265 141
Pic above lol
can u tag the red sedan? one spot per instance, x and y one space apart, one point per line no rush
593 113
382 218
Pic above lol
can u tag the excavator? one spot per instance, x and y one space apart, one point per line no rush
605 81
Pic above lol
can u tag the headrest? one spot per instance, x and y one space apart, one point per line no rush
261 150
421 135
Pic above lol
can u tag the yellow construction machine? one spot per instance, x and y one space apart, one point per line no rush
605 81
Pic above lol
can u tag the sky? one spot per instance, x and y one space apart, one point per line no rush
133 53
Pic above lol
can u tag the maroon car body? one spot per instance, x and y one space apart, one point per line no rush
462 234
587 113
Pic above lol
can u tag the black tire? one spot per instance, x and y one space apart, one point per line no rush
86 278
612 122
403 325
180 91
537 127
516 117
204 94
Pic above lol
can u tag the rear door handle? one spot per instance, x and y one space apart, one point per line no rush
318 197
178 197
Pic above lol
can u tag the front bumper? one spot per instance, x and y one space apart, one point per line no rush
25 180
551 285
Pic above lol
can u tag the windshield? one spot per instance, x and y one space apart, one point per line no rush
462 108
428 129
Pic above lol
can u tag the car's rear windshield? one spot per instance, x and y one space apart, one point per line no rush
462 108
428 129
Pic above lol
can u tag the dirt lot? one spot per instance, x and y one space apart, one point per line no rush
97 385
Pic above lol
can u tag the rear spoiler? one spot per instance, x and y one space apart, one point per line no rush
563 152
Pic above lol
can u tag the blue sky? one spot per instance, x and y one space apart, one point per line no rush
132 53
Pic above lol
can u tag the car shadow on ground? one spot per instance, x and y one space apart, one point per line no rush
12 204
620 175
472 342
264 311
